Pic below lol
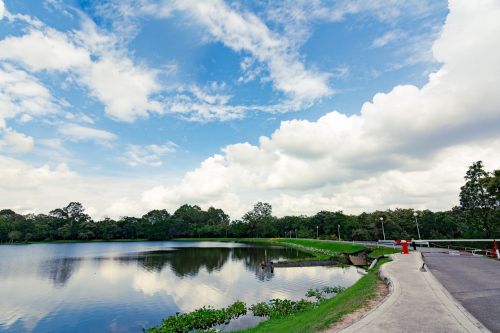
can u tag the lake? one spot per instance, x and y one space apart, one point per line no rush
127 286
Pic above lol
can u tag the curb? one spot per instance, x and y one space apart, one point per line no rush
464 317
394 291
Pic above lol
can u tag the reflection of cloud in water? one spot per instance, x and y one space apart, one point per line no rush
62 292
22 303
229 284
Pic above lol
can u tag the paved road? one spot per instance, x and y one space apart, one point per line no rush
418 303
474 281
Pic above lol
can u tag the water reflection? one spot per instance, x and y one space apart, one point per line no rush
127 286
59 270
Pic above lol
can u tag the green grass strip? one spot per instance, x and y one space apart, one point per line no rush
325 245
330 311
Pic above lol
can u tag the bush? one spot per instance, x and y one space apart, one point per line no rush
278 308
200 319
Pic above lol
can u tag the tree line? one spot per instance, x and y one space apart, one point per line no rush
477 216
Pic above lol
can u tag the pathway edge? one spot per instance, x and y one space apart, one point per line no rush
461 314
394 293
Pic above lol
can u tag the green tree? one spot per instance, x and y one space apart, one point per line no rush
260 220
476 199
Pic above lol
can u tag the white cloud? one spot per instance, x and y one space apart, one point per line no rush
81 133
301 11
79 117
15 142
28 188
124 87
2 9
387 38
407 147
244 31
22 95
44 50
150 155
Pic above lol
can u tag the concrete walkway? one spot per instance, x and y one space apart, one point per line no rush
417 303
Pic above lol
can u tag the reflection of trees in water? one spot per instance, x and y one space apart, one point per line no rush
187 261
59 270
253 257
184 261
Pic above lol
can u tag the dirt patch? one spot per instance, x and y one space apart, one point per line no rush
381 292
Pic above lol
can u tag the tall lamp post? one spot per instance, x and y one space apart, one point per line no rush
338 230
416 221
317 232
383 231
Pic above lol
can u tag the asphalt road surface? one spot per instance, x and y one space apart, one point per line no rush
474 281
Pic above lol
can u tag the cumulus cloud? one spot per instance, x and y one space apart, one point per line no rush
15 142
409 147
21 94
44 50
28 188
402 148
96 61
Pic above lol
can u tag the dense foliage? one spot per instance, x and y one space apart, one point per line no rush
477 216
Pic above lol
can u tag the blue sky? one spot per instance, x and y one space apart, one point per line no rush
152 91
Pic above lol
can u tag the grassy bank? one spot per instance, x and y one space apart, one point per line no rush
382 250
325 245
330 311
319 249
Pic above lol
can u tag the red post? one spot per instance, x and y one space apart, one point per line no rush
495 251
404 245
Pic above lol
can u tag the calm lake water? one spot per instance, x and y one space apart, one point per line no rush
124 287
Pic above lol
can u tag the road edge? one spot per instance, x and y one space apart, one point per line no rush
394 292
461 314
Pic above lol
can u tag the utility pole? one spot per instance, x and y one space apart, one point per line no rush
383 231
416 221
317 232
338 230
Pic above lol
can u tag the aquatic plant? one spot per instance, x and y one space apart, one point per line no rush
200 320
277 308
204 319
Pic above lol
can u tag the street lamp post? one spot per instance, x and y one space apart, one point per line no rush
317 232
416 221
338 230
383 231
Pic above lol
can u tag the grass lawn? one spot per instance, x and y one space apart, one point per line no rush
332 246
328 312
382 250
325 245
